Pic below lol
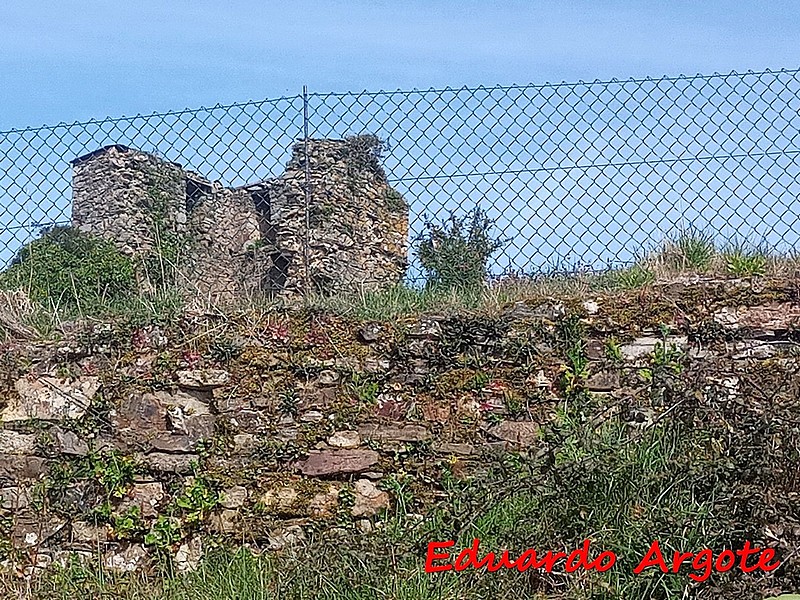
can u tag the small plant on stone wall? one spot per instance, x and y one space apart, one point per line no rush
6 526
346 501
197 500
741 261
164 532
493 418
274 453
129 524
399 486
515 405
575 372
289 404
363 388
630 278
667 357
114 471
51 489
456 253
347 498
612 350
363 155
478 381
224 350
691 249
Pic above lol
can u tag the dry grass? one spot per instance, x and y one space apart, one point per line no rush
16 310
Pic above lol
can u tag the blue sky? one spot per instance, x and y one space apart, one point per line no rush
69 60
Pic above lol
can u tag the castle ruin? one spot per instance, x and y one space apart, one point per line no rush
226 243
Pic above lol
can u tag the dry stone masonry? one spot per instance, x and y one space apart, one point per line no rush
234 242
132 443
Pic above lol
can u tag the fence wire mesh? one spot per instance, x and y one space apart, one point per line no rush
578 176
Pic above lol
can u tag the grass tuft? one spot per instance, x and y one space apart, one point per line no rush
743 261
690 249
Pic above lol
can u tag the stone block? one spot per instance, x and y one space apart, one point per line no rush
340 461
49 398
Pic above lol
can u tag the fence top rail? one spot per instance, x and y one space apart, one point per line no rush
432 90
547 84
153 115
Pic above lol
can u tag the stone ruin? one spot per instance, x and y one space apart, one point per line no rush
226 243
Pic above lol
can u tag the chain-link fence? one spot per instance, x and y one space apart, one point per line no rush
577 175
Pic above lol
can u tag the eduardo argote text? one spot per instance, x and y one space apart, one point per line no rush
703 563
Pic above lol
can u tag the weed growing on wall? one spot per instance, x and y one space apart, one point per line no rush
456 254
741 261
690 249
162 264
364 153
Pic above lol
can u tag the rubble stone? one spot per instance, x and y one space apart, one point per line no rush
127 560
369 500
345 439
332 462
12 442
523 433
49 398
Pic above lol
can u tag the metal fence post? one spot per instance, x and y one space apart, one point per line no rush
307 192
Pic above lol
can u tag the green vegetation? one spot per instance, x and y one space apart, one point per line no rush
128 525
574 373
196 501
612 350
111 472
633 277
69 270
67 274
690 250
161 265
741 261
363 388
164 532
455 255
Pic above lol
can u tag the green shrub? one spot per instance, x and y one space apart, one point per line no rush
456 254
70 269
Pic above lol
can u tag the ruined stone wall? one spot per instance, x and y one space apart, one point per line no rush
225 228
238 242
358 224
263 433
120 194
157 211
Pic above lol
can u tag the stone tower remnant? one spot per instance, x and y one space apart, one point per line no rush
227 243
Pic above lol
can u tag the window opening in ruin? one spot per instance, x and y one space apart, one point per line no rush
195 192
261 201
278 272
